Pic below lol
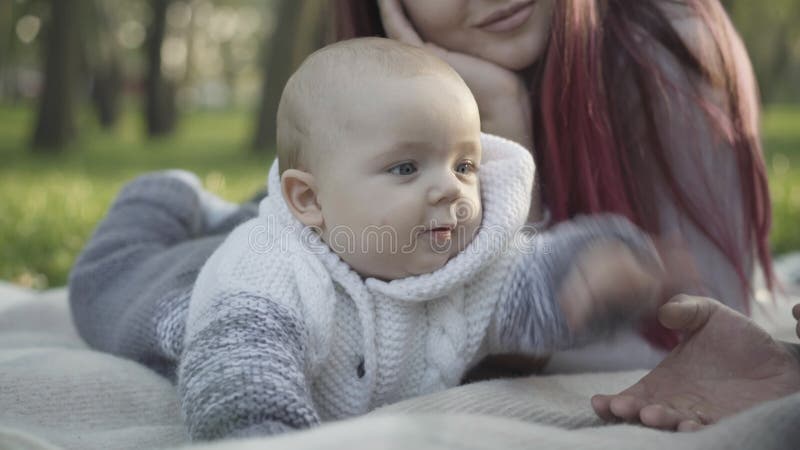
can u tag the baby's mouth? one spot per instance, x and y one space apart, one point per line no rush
441 233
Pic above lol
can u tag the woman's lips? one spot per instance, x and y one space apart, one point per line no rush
508 18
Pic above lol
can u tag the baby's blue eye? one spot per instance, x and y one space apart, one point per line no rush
405 168
466 167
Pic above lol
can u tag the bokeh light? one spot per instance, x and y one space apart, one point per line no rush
28 27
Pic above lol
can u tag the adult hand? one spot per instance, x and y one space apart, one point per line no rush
726 364
501 94
796 314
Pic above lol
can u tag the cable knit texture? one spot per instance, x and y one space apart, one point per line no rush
281 334
361 344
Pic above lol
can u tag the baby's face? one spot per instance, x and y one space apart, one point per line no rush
400 196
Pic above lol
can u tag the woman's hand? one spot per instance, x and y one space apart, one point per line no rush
725 365
502 96
796 314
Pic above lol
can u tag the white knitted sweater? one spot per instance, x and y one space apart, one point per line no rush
415 335
276 316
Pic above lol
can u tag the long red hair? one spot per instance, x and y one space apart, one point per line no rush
590 159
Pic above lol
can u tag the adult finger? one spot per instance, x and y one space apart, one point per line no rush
396 24
627 407
796 314
690 425
661 417
602 407
687 313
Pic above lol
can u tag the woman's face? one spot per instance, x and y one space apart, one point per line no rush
510 33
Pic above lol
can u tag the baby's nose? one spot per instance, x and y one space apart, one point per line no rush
447 188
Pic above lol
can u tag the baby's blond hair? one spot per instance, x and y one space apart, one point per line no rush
311 106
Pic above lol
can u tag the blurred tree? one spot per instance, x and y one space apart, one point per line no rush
191 40
299 32
55 123
313 31
277 68
160 109
6 42
103 64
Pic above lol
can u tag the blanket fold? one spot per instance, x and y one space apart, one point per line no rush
56 393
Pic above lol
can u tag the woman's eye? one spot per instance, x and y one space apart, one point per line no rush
406 168
466 167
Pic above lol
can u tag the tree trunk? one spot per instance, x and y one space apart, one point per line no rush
106 93
312 31
104 65
6 40
160 110
55 124
277 68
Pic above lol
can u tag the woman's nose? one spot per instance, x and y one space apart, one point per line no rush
446 188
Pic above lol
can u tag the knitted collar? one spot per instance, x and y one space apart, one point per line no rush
506 178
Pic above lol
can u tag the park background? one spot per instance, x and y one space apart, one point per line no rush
94 92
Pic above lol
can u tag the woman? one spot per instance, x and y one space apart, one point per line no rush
647 109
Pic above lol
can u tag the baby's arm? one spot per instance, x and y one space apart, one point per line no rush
565 285
242 371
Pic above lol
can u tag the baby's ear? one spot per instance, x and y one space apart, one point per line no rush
300 192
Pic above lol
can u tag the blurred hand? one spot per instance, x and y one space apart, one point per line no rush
608 284
725 364
501 94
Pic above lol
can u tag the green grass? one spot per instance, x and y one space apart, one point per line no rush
50 204
781 131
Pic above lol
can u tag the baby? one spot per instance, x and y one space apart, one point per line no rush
389 258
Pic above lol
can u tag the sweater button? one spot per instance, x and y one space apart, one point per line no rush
360 369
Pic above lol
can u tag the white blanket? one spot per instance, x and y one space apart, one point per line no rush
57 393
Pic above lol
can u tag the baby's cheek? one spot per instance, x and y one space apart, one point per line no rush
466 234
395 233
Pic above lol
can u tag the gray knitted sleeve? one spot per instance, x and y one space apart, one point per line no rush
242 373
528 318
129 288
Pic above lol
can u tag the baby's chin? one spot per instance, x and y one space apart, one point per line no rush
425 258
429 266
415 267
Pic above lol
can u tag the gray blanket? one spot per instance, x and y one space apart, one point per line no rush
55 392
